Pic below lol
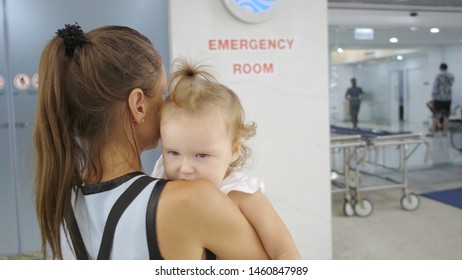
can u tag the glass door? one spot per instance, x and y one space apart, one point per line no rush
25 28
9 223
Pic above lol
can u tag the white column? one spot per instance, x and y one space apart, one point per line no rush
279 69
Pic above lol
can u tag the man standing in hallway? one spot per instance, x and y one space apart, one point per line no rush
442 96
354 95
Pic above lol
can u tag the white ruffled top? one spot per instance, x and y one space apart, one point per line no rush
235 181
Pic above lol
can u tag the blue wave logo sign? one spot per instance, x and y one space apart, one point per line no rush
256 5
253 11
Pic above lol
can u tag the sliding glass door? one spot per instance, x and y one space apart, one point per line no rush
9 225
25 28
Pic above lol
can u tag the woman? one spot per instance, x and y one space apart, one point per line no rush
99 98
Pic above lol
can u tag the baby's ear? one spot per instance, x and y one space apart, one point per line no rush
236 151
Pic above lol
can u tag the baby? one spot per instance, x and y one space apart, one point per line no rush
203 134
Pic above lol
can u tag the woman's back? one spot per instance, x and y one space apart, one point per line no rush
92 207
175 227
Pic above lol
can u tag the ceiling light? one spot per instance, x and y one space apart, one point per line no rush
399 57
434 30
393 40
364 34
339 50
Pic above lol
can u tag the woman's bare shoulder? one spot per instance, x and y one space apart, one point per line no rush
191 187
191 193
194 205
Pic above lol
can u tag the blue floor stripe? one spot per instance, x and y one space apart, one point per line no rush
452 197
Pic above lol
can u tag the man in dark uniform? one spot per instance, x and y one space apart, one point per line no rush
354 95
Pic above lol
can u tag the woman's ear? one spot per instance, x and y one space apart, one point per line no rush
136 104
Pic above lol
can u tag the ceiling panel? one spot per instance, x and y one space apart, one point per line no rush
438 4
408 20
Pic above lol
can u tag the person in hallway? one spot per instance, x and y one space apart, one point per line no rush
431 106
442 96
354 95
99 99
210 116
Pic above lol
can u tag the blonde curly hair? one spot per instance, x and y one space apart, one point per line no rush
196 90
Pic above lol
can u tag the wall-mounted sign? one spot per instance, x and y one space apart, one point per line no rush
35 80
253 11
22 81
2 82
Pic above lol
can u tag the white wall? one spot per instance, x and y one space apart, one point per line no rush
289 104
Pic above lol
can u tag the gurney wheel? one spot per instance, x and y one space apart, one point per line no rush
363 208
410 202
348 209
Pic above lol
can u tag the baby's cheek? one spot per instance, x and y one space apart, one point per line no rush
169 172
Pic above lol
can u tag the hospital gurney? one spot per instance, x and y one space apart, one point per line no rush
371 143
353 149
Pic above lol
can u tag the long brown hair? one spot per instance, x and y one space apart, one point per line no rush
80 88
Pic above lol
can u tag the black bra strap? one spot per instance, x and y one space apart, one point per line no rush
116 212
209 255
151 211
76 238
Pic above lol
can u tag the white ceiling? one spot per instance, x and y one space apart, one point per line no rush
392 18
419 5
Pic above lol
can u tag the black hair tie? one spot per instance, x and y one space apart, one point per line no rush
73 37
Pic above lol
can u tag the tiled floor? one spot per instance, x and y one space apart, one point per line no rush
432 231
